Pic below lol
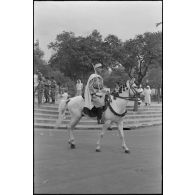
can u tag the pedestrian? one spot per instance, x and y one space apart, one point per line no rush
53 90
79 87
40 89
36 81
46 89
147 95
64 94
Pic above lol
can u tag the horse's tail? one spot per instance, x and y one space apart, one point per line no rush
61 111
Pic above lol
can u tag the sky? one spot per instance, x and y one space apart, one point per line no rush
124 19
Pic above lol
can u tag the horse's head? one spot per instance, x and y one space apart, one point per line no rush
123 90
129 90
134 90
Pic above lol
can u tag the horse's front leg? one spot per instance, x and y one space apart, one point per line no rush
101 134
121 133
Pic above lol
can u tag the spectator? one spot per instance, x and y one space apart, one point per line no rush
59 89
36 81
46 89
53 90
64 94
147 95
40 89
79 87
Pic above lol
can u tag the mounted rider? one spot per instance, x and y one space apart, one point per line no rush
93 96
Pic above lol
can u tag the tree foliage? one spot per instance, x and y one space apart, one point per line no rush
75 55
38 57
143 53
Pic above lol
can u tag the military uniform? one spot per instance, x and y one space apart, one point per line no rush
53 90
46 91
40 89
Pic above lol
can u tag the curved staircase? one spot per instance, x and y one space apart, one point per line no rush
46 115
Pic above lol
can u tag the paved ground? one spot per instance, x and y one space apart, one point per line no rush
61 170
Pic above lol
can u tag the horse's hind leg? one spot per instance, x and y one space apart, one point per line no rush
71 127
101 133
60 118
121 133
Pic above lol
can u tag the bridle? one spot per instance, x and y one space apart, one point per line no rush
130 98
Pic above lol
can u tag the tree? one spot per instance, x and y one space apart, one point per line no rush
113 49
143 53
115 76
75 56
38 57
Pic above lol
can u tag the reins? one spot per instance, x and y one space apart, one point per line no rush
130 98
117 114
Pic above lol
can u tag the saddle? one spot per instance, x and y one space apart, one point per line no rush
97 111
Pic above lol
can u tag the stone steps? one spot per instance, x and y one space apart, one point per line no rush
132 116
46 115
129 112
55 107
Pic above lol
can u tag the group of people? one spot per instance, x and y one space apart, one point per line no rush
45 88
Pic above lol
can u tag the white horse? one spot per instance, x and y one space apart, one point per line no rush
114 113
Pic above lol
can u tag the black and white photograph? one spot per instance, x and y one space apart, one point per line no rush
97 97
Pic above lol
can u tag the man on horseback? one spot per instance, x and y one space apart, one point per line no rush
93 92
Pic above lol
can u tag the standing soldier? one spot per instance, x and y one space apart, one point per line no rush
46 90
53 89
40 89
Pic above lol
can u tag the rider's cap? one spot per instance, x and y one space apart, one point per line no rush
98 65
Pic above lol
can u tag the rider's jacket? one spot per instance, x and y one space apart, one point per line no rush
94 85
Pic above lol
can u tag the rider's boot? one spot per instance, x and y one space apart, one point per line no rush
88 112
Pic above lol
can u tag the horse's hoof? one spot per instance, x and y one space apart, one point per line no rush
97 150
72 146
127 151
